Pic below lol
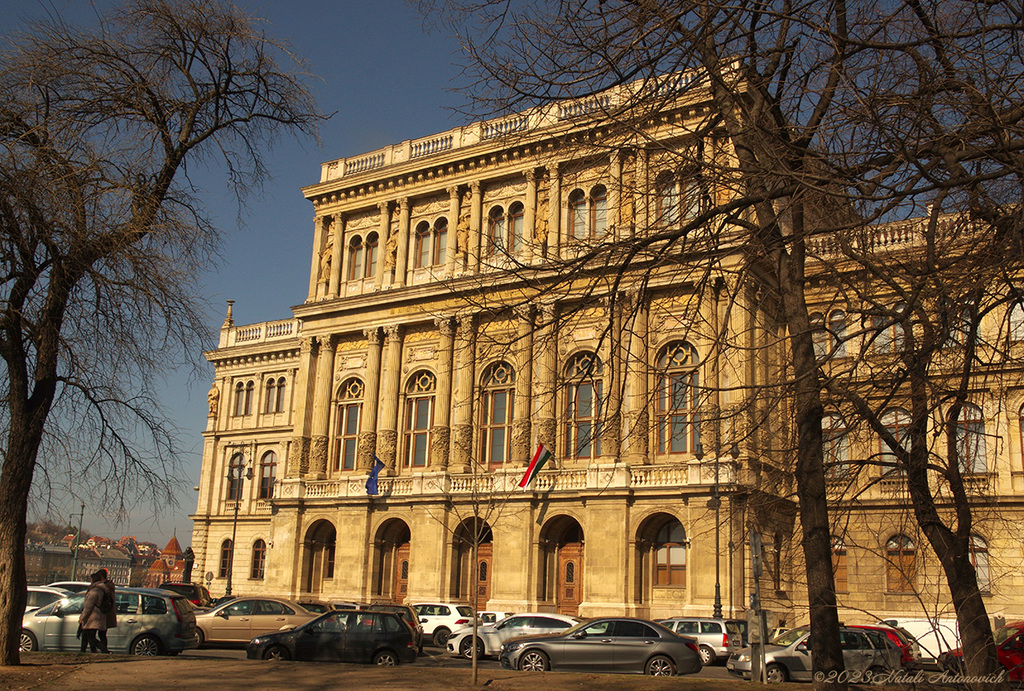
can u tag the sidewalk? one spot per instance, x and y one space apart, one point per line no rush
101 673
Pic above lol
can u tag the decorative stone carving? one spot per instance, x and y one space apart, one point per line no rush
325 259
462 449
391 249
439 446
366 445
318 455
387 446
462 233
372 335
213 400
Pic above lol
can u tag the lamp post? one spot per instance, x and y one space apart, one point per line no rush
716 504
235 475
78 537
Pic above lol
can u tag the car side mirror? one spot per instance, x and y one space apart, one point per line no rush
223 614
423 621
57 612
580 634
803 647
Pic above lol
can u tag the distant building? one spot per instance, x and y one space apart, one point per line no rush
92 559
47 563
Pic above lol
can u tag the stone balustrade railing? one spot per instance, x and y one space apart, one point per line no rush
261 332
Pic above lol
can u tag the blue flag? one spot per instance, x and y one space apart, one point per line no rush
371 482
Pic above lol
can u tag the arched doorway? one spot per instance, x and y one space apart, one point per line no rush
318 556
562 559
391 562
467 575
661 556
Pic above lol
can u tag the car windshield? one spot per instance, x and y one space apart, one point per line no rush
1005 633
790 637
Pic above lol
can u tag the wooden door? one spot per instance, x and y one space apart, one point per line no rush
569 579
483 573
401 567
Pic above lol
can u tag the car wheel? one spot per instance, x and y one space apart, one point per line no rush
276 652
201 636
707 655
534 661
660 667
441 636
385 658
466 651
27 643
145 645
776 674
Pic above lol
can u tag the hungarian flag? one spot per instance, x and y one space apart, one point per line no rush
539 459
371 482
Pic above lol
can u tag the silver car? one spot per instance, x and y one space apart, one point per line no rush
716 638
491 636
788 657
149 622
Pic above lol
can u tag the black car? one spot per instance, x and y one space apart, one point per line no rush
408 615
342 636
195 593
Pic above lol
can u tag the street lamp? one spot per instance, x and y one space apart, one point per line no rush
716 504
235 484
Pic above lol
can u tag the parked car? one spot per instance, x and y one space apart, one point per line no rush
196 593
340 636
489 617
440 618
605 645
491 636
788 657
716 638
70 586
149 622
933 636
241 619
743 626
1009 641
900 640
316 606
41 595
408 615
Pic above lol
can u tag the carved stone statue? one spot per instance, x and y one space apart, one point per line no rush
325 259
190 559
540 223
213 400
463 233
391 249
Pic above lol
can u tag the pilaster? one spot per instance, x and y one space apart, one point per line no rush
387 432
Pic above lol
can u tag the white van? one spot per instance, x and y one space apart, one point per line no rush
934 636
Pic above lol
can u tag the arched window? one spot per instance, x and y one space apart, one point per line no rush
578 214
979 559
962 322
836 446
226 555
440 241
598 211
422 245
667 200
280 395
419 417
897 423
268 474
901 564
371 255
678 382
270 404
259 560
350 408
839 571
970 440
355 258
679 196
496 231
250 387
837 331
239 409
583 406
819 335
670 555
1017 322
889 330
515 223
496 411
235 466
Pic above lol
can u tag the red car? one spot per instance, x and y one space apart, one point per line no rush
896 637
1009 647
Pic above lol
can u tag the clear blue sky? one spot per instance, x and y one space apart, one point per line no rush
386 80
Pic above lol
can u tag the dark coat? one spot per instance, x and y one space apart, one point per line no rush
92 617
112 614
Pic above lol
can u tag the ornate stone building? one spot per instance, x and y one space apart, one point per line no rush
444 332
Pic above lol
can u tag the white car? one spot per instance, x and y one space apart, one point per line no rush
70 586
491 636
439 619
41 595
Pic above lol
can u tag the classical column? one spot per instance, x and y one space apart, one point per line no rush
635 372
321 406
440 434
319 233
371 394
402 258
387 434
611 430
615 197
462 430
298 458
338 228
554 210
382 236
451 248
544 376
530 218
476 213
520 446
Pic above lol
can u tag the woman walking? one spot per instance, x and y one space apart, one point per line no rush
93 619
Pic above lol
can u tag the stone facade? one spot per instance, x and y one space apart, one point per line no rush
419 344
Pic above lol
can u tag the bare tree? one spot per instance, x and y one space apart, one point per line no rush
103 235
821 121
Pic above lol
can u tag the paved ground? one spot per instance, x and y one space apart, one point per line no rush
228 669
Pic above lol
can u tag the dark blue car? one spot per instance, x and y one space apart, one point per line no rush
381 638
